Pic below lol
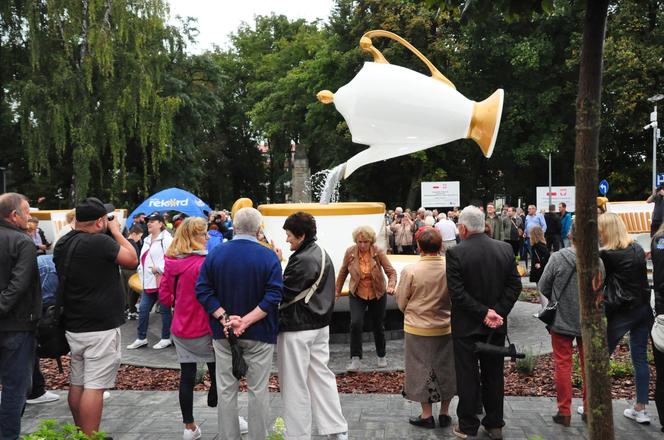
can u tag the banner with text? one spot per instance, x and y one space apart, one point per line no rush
440 194
559 194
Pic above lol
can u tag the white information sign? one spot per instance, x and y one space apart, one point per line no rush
440 194
566 194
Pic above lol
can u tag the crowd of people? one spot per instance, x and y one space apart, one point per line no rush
511 225
227 303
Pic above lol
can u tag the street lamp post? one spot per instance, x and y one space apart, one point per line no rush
655 136
547 208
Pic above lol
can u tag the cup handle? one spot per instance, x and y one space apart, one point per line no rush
367 45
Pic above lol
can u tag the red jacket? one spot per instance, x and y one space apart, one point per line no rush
189 318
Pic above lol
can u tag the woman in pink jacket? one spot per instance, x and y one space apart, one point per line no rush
190 328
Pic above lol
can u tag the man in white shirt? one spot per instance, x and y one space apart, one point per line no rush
448 230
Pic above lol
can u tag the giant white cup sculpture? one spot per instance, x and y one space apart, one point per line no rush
398 111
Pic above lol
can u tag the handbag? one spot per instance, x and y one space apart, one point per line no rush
496 350
615 297
548 313
51 340
657 333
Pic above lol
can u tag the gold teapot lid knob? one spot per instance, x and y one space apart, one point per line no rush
325 96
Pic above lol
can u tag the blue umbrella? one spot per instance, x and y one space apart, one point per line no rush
173 199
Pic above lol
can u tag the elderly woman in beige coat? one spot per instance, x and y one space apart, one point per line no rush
366 263
423 298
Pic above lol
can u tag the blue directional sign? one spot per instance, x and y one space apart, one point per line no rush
603 187
659 179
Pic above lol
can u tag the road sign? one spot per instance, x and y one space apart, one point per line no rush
660 179
603 187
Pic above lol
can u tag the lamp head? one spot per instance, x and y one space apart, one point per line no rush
655 98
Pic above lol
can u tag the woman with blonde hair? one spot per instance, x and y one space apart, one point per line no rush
191 326
627 303
539 253
366 263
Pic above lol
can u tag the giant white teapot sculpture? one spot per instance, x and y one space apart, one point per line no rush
398 111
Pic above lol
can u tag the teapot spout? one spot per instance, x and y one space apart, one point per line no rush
485 122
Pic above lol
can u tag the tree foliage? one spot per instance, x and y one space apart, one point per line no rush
106 100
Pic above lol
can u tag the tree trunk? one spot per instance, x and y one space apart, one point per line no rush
593 324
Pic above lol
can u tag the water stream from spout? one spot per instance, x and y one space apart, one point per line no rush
330 193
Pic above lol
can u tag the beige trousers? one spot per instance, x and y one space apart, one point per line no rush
258 356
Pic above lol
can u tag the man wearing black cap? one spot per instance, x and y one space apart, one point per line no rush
93 306
658 212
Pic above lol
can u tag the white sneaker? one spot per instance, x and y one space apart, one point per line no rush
382 362
162 344
188 434
338 436
44 398
106 395
138 343
355 364
244 426
579 409
641 417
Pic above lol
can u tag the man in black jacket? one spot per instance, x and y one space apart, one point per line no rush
20 309
553 229
484 285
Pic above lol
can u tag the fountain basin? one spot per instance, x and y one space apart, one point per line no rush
335 223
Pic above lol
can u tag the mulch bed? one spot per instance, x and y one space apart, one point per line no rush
540 383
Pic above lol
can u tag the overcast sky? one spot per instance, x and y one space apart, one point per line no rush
218 18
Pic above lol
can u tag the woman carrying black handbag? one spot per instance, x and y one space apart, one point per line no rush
627 303
539 253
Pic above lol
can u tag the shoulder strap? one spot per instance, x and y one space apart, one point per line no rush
62 278
566 283
306 294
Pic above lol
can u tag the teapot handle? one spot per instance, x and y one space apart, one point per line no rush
367 45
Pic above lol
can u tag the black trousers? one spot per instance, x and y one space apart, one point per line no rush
516 244
471 383
186 391
38 382
659 383
553 242
407 250
377 315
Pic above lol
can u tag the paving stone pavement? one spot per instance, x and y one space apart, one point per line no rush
526 331
155 415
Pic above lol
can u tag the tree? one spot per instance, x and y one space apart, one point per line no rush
588 110
91 92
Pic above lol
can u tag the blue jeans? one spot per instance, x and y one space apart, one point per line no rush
147 302
525 251
638 323
17 358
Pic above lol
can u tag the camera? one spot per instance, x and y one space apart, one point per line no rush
110 217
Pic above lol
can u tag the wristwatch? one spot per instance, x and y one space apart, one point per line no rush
223 318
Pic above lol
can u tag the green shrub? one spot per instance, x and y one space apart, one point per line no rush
620 369
576 371
527 364
52 430
278 430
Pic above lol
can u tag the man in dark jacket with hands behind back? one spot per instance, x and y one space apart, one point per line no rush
484 285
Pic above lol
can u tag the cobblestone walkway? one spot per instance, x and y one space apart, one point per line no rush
155 415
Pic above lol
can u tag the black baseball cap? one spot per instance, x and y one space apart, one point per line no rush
155 216
91 209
